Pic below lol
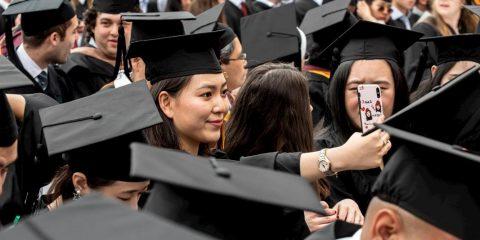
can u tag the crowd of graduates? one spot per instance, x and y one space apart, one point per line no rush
239 119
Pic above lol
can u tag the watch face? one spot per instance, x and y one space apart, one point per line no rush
324 166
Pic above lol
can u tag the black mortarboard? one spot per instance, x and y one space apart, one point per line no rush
94 132
145 26
178 56
11 77
205 22
271 35
116 6
40 15
450 113
463 47
96 217
223 199
227 37
8 125
330 14
368 40
444 193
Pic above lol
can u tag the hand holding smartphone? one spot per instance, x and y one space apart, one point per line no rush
370 105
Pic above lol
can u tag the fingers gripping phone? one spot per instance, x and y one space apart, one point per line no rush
370 105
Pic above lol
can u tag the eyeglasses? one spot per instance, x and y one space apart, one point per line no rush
242 56
385 6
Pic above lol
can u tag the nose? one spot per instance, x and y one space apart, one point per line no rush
221 105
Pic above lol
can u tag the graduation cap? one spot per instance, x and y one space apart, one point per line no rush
116 6
96 217
223 199
449 113
145 26
205 22
463 47
40 15
445 192
94 132
11 76
271 35
368 40
329 15
178 56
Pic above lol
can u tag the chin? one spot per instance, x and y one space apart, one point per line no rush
211 137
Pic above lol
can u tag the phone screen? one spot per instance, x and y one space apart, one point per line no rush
370 105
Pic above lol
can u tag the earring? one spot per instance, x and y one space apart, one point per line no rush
76 195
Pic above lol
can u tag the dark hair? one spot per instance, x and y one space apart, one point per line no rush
427 85
164 134
38 39
271 114
62 185
341 123
226 53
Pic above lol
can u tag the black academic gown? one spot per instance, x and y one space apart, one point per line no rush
233 15
33 168
336 230
318 88
355 185
259 7
85 75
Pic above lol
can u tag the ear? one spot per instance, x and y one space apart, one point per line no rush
166 103
80 183
386 225
434 70
54 38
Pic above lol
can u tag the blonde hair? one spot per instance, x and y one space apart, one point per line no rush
467 24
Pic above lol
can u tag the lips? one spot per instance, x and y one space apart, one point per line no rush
216 123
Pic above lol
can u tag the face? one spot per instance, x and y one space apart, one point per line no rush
448 8
198 109
405 4
369 72
63 46
458 68
422 2
127 192
380 10
106 33
235 69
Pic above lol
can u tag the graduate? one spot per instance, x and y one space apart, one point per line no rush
363 62
49 29
321 26
97 157
89 68
453 55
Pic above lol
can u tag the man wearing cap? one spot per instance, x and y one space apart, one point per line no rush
49 29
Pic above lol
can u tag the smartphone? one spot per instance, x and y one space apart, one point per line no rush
370 105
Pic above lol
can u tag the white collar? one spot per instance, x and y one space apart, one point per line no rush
27 62
396 14
319 2
237 3
269 4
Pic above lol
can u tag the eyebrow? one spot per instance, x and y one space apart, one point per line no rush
212 86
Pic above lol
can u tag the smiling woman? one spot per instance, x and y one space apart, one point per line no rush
89 68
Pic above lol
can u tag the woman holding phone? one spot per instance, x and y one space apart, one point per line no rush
355 67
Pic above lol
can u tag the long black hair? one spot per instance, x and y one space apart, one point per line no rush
342 126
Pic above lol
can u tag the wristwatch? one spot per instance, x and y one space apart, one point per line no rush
324 163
